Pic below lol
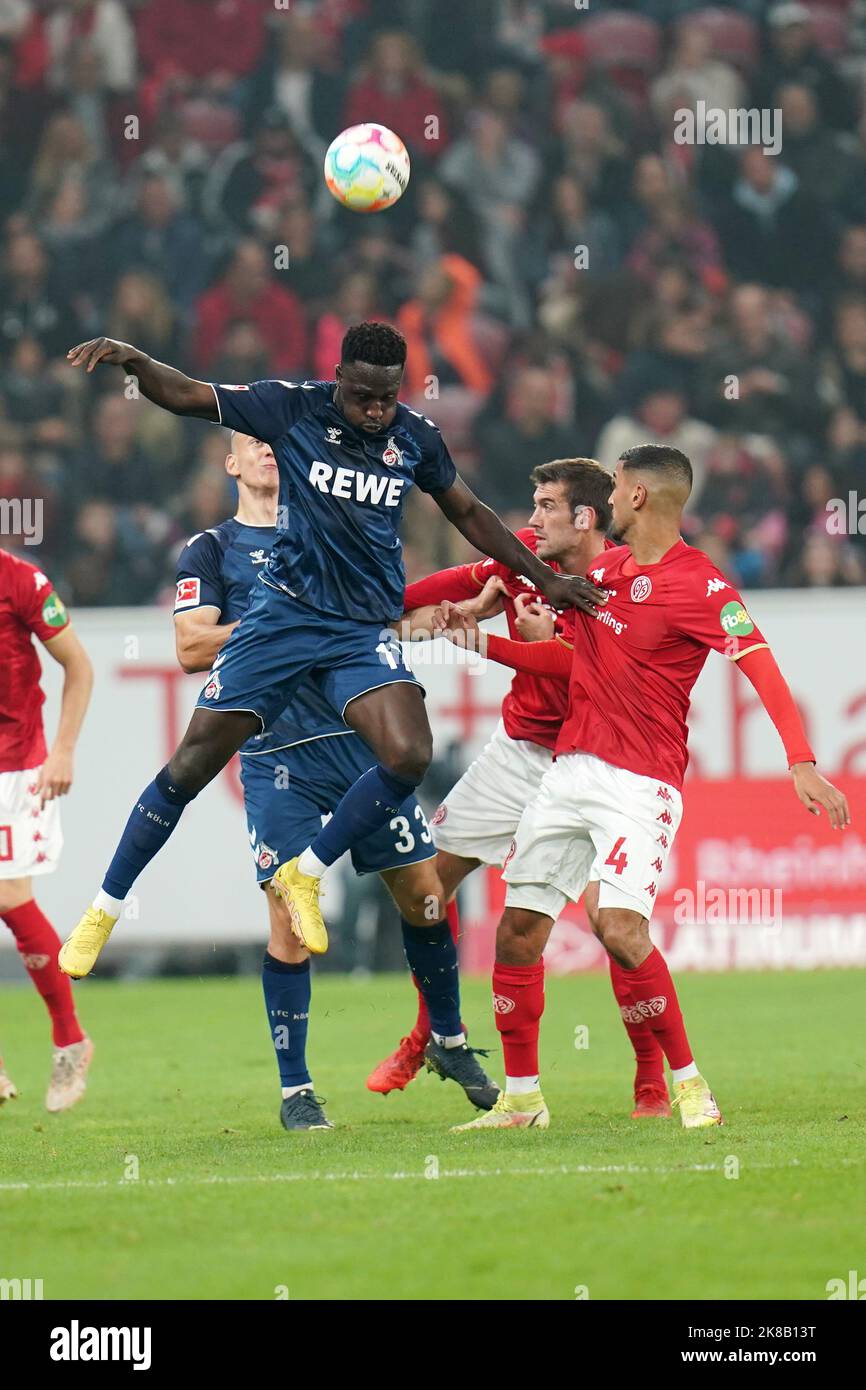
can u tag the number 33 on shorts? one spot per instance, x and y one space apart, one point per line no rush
404 838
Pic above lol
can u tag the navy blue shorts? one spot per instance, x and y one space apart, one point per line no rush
279 642
286 794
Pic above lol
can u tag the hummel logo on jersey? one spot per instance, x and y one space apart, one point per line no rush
392 456
714 585
258 557
334 435
350 486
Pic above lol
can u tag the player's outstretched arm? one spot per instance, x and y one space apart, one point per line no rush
760 667
55 775
540 658
489 534
423 623
163 385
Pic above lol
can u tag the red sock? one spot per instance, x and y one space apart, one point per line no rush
647 1050
420 1034
655 998
518 1003
38 945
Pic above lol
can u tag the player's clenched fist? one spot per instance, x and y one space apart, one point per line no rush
534 621
815 791
107 350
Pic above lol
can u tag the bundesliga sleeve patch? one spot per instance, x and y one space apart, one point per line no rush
54 611
188 594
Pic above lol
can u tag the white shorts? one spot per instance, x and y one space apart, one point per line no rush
591 820
30 839
479 817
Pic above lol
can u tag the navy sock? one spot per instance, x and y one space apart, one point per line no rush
432 956
153 818
288 989
366 806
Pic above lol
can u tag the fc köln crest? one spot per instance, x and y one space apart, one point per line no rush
213 689
392 456
266 857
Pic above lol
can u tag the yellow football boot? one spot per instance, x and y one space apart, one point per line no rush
80 950
512 1112
300 893
697 1104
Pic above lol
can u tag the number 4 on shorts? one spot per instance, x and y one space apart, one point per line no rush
617 857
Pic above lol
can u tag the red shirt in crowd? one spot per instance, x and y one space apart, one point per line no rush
276 313
200 37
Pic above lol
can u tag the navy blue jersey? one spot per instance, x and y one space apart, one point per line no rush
218 569
341 493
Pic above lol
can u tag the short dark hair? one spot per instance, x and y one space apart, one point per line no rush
587 482
376 343
660 458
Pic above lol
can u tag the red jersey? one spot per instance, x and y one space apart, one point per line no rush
636 660
28 606
535 706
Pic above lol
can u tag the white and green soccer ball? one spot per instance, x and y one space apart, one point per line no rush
367 168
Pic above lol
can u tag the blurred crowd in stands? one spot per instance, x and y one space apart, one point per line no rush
570 278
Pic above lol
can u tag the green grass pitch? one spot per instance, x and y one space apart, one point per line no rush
227 1205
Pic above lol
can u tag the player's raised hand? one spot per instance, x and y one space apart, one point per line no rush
815 791
489 602
55 776
534 621
106 350
570 591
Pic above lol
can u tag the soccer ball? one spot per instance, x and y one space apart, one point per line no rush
367 168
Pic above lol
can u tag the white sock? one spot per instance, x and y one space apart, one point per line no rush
520 1085
684 1073
311 864
293 1090
446 1041
104 902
